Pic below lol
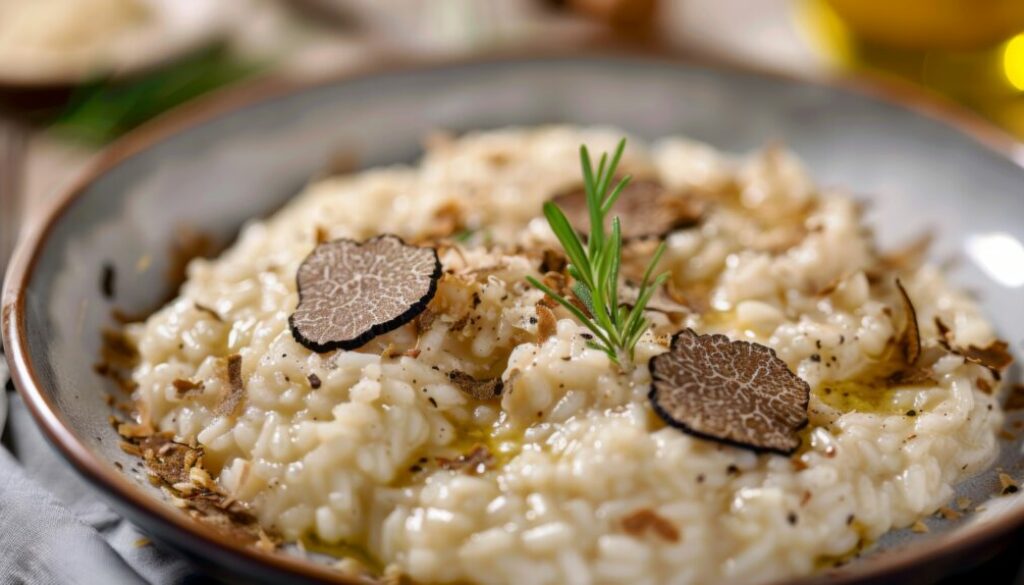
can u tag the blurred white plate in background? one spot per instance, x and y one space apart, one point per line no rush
65 42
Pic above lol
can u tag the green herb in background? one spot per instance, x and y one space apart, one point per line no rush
595 266
463 236
104 109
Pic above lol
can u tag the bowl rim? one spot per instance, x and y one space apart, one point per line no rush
114 484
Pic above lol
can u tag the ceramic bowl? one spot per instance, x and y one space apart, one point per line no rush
215 165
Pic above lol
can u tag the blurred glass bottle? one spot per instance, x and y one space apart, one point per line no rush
969 50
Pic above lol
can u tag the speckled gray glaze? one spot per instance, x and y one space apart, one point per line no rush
917 172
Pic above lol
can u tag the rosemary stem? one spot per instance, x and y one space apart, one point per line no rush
595 265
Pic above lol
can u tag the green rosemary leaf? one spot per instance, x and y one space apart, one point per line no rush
600 171
590 190
588 170
614 261
583 294
636 314
619 149
601 269
654 262
463 236
636 331
568 237
635 323
614 195
635 338
575 274
599 310
611 353
570 307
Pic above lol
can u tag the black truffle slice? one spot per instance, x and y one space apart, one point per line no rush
734 392
351 292
910 339
646 210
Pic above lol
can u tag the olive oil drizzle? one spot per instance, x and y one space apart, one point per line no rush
343 550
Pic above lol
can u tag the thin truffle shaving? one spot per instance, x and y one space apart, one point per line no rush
911 338
479 389
646 208
232 400
995 356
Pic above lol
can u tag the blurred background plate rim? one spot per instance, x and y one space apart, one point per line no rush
114 484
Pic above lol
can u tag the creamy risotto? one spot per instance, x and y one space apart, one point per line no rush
564 473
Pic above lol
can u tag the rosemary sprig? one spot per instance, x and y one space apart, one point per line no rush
595 266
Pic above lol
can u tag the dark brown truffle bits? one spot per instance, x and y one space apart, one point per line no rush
108 280
231 401
995 356
734 392
487 389
351 292
314 381
646 520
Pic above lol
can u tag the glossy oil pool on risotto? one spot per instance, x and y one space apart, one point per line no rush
569 476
